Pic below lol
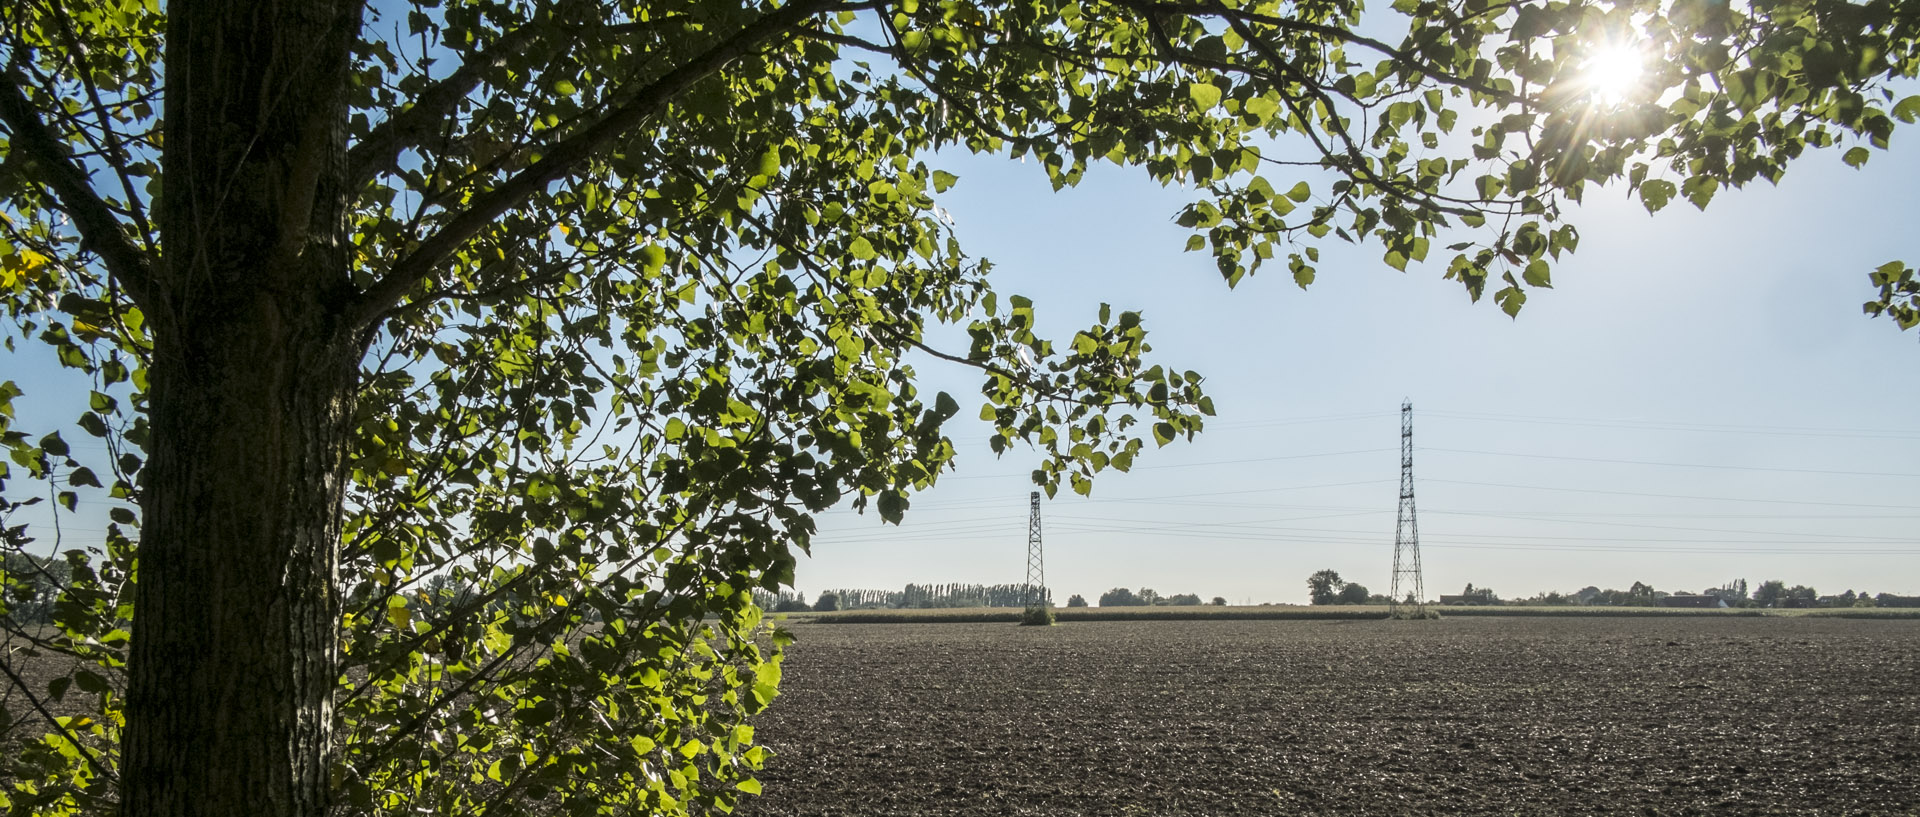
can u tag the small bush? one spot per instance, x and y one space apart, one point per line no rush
1041 616
1077 600
827 603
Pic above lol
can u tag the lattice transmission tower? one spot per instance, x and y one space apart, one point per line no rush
1036 566
1406 531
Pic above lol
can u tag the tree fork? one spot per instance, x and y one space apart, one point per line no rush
234 656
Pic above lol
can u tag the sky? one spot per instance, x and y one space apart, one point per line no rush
1699 399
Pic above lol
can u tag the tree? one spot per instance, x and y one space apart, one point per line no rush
1122 597
1324 586
1219 601
826 603
590 306
1353 593
1182 600
1771 593
1642 594
1802 596
1734 593
29 586
1076 600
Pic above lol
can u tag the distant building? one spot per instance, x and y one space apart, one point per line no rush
1690 600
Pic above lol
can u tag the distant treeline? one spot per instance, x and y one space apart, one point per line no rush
913 596
1775 594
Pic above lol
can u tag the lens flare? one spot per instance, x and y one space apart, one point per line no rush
1613 73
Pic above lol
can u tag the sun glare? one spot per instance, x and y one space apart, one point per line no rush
1613 72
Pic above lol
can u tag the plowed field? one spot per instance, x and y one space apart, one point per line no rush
1459 716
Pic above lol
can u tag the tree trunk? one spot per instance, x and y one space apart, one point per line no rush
234 655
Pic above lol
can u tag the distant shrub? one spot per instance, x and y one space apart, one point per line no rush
1219 601
1076 600
1182 600
1041 616
796 603
1122 597
827 603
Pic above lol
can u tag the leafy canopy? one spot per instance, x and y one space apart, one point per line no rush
646 283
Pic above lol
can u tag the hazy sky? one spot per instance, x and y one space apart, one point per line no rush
1698 400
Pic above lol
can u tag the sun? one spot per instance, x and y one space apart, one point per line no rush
1612 73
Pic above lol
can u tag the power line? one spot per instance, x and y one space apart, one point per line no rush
1665 465
1664 546
1668 496
1683 528
1332 418
1664 425
1196 464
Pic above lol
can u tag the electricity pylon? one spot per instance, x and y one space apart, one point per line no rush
1036 595
1406 531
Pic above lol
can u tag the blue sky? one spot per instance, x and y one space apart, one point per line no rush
1727 347
1698 400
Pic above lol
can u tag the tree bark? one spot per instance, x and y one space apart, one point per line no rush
234 658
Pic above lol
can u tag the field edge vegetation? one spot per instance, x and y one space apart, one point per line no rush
976 615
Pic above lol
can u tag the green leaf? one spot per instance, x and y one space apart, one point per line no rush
1205 94
1300 192
540 713
652 258
1908 110
892 506
90 681
1510 300
942 180
1855 157
1536 274
748 785
1655 193
399 614
861 249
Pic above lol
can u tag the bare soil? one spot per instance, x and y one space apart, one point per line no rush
1459 716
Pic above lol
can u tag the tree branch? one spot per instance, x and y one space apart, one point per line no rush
1398 57
86 751
115 152
380 149
100 231
566 157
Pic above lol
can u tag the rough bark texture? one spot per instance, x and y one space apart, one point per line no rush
234 654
